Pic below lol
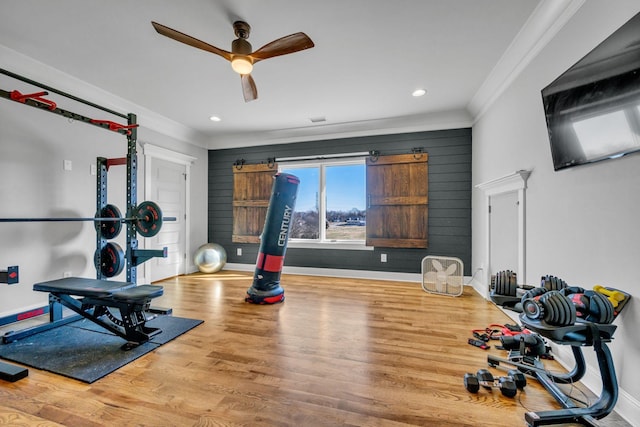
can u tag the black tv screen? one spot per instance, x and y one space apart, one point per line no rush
593 109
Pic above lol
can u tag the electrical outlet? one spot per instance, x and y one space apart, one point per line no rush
93 170
67 165
239 251
383 257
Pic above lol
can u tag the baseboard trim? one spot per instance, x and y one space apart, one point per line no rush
337 272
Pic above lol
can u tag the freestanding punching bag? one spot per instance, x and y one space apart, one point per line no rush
266 287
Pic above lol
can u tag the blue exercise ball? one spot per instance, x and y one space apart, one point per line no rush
210 258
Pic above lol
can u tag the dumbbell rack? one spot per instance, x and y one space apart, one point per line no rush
581 334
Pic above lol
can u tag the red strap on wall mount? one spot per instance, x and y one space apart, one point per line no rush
37 96
116 127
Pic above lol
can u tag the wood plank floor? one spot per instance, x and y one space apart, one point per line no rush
337 352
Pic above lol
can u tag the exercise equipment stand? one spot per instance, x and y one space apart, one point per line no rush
581 334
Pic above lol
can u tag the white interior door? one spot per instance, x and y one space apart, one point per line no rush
504 232
168 190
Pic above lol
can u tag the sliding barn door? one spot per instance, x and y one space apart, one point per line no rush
397 188
251 193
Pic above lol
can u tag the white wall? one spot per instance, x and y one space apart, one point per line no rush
33 146
582 224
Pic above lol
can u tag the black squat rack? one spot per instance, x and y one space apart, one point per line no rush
144 218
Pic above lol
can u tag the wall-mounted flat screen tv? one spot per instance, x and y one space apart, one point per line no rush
593 109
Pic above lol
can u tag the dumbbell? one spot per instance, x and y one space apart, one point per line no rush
506 283
518 377
552 307
591 306
484 378
561 307
552 283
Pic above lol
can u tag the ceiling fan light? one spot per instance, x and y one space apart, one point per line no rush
241 65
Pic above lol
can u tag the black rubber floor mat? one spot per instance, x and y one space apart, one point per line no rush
86 352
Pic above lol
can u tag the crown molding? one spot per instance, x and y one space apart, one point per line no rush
543 24
440 120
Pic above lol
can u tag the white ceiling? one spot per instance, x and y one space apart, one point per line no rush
369 56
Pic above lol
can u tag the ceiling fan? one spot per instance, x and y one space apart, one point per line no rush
241 56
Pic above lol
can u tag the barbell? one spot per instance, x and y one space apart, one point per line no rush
147 218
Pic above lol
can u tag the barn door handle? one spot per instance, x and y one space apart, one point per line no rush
369 201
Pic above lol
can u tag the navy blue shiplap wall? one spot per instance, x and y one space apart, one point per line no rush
449 199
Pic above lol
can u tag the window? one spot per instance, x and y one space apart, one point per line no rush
331 201
341 203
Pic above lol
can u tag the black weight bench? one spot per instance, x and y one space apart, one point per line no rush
93 299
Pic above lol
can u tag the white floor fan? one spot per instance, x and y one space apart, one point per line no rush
443 275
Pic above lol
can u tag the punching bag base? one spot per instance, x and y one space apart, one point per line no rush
273 296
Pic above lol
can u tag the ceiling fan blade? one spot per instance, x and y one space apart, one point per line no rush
191 41
283 46
249 89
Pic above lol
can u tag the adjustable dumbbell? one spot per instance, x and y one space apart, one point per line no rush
505 283
552 307
591 306
484 378
562 307
552 283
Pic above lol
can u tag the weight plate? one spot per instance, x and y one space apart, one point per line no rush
512 284
111 261
552 312
148 219
599 308
564 313
532 309
560 317
571 311
532 293
109 229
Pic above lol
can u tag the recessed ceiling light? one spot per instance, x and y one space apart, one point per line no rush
419 92
215 118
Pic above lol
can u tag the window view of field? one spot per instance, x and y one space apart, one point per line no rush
339 225
344 203
346 225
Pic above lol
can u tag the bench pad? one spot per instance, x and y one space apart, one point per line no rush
138 293
83 287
